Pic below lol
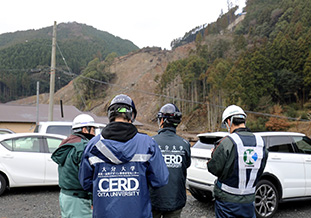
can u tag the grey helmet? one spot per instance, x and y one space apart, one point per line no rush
122 104
170 114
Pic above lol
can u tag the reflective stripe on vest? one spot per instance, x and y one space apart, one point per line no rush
108 154
249 158
136 158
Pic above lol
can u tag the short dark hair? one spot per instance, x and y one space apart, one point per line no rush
120 115
168 124
114 112
237 120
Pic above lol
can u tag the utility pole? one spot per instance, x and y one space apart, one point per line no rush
37 110
52 75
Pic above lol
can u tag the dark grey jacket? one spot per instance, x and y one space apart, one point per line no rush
176 153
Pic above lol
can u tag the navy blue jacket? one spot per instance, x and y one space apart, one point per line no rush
118 166
176 153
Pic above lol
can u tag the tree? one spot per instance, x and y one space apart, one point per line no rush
285 84
307 71
250 79
275 123
216 75
93 78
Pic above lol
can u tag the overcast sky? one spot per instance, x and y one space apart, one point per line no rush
144 22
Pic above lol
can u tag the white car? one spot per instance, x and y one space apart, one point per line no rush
6 131
25 160
61 127
287 175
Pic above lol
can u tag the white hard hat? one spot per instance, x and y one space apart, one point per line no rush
233 110
83 120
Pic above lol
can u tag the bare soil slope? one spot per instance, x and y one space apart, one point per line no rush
135 76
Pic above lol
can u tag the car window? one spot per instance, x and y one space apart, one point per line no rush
53 144
282 144
25 144
303 144
8 144
62 130
206 142
37 128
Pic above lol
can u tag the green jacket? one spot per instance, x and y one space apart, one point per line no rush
68 157
222 164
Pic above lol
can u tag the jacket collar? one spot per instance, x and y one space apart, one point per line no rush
171 129
244 129
119 131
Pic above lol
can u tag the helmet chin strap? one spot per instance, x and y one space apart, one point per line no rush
161 122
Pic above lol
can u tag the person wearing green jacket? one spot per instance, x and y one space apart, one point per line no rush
238 161
73 200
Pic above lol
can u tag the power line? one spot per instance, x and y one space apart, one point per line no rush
74 84
32 70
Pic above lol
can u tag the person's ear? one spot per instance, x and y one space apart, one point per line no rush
84 130
228 122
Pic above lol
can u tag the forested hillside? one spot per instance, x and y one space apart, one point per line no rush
25 56
264 65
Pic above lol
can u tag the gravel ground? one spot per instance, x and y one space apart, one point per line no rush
31 202
42 202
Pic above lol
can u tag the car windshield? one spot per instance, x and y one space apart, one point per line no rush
62 130
206 142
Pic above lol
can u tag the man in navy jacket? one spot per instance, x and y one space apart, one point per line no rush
119 164
169 200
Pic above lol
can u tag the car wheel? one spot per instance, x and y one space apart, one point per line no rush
266 199
201 195
3 184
